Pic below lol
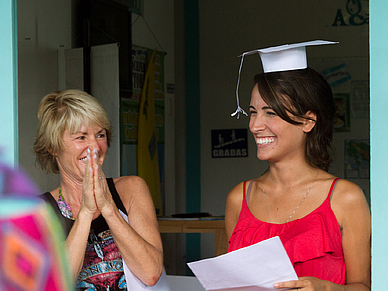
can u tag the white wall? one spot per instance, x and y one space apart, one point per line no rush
43 27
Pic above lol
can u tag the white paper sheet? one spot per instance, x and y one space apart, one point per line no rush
253 268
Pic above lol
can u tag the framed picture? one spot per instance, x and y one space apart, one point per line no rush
357 159
359 93
342 114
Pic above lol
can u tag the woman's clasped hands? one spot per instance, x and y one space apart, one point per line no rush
96 195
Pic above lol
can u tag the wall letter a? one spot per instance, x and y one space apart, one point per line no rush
339 17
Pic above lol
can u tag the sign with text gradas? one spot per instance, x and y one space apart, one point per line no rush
229 143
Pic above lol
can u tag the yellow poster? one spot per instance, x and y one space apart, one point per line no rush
147 147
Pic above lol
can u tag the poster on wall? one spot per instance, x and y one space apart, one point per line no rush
337 75
130 108
342 112
229 143
359 95
357 159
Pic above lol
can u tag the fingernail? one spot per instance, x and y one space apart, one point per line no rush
88 150
276 285
95 156
95 150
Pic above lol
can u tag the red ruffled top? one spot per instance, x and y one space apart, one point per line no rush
313 242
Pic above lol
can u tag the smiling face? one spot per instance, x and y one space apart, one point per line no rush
71 158
275 138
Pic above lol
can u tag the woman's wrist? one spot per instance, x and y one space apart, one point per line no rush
109 210
85 214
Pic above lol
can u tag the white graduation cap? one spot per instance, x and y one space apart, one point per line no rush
279 58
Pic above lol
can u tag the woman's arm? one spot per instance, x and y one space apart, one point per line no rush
76 242
139 240
233 208
78 236
353 215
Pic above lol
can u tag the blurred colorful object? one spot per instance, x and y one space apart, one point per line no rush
32 256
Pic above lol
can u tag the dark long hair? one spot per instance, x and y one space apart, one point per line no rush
297 92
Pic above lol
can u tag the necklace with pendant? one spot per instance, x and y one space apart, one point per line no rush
304 197
64 207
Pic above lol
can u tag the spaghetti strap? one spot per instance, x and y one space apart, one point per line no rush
332 188
244 191
249 191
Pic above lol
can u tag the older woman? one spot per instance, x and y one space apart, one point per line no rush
73 137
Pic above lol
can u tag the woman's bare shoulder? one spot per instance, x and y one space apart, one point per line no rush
346 192
131 189
348 199
236 194
129 181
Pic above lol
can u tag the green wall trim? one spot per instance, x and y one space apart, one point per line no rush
8 83
378 26
193 123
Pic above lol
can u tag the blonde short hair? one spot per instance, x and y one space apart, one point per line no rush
62 110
